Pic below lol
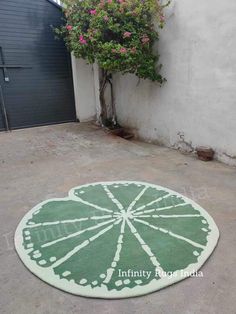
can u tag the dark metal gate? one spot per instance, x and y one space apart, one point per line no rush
36 85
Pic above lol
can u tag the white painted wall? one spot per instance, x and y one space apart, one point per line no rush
198 103
84 89
197 106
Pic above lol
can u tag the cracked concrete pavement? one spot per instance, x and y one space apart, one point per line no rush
46 162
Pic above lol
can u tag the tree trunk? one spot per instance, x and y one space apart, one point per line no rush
106 119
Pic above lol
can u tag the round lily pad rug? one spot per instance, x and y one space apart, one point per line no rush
116 239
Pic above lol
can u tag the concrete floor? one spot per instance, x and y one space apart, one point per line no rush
41 163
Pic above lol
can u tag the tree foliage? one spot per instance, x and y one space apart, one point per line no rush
117 34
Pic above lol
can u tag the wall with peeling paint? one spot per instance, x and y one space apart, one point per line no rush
197 105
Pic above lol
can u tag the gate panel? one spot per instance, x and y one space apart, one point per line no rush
41 90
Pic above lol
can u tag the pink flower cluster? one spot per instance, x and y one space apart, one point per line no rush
145 39
93 12
82 40
127 34
123 50
162 18
69 27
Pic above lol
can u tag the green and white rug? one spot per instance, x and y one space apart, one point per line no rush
116 239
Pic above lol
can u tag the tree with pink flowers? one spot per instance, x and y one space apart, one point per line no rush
119 36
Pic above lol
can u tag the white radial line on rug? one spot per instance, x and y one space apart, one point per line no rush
167 216
49 223
152 202
116 213
172 234
116 258
83 244
79 199
160 209
72 235
137 198
112 197
145 247
100 217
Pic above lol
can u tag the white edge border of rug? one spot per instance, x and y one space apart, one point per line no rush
102 292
